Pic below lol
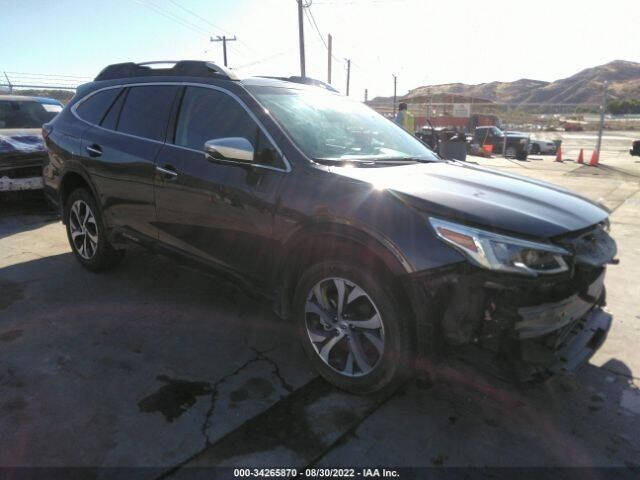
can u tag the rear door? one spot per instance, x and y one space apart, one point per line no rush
221 212
120 150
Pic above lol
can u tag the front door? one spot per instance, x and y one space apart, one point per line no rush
221 212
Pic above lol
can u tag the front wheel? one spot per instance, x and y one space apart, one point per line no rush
86 232
352 327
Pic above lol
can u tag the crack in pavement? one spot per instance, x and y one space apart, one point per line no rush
214 395
276 368
259 356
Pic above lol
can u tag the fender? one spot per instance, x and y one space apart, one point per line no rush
285 268
382 247
76 168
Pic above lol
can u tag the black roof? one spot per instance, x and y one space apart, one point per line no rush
187 68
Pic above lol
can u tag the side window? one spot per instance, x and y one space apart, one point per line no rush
110 119
145 112
207 114
266 154
93 108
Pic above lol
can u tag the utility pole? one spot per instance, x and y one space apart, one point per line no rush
603 109
348 74
366 95
395 82
224 41
301 39
329 60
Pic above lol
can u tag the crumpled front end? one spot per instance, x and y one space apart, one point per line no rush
22 155
527 327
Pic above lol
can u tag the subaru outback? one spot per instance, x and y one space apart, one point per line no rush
376 250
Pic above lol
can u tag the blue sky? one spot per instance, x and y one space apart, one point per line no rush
422 41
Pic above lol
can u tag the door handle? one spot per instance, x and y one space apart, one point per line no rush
94 150
167 172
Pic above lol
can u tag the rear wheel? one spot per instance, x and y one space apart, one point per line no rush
86 232
535 149
352 328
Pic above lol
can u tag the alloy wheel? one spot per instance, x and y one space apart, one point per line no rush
344 326
83 229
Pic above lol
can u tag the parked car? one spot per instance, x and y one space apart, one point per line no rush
517 143
372 247
22 151
635 149
542 147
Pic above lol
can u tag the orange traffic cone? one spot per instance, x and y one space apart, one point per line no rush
559 155
581 156
594 159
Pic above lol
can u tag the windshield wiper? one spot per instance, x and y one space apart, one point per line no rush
408 160
346 160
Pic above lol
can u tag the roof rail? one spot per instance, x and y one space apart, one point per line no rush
195 68
306 81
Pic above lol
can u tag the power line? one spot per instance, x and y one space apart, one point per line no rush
313 22
199 17
311 19
173 17
270 57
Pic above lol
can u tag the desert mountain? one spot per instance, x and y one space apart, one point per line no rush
583 87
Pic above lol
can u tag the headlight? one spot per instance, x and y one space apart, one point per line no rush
500 252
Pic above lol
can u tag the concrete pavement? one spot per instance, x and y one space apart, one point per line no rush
154 364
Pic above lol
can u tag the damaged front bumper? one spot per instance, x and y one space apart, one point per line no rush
580 342
21 174
527 328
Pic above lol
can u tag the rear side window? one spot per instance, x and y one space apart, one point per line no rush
94 108
146 109
110 119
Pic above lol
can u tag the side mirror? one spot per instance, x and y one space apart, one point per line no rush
230 148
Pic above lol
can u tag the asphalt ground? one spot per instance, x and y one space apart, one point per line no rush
157 365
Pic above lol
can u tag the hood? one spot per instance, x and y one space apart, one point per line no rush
21 141
483 197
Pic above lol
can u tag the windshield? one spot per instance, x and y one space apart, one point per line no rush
26 113
326 126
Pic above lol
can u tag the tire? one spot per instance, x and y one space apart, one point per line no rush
535 149
86 233
381 356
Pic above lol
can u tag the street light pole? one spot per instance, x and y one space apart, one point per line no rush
329 47
348 74
603 109
395 82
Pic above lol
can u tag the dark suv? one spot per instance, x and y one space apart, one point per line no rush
375 248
